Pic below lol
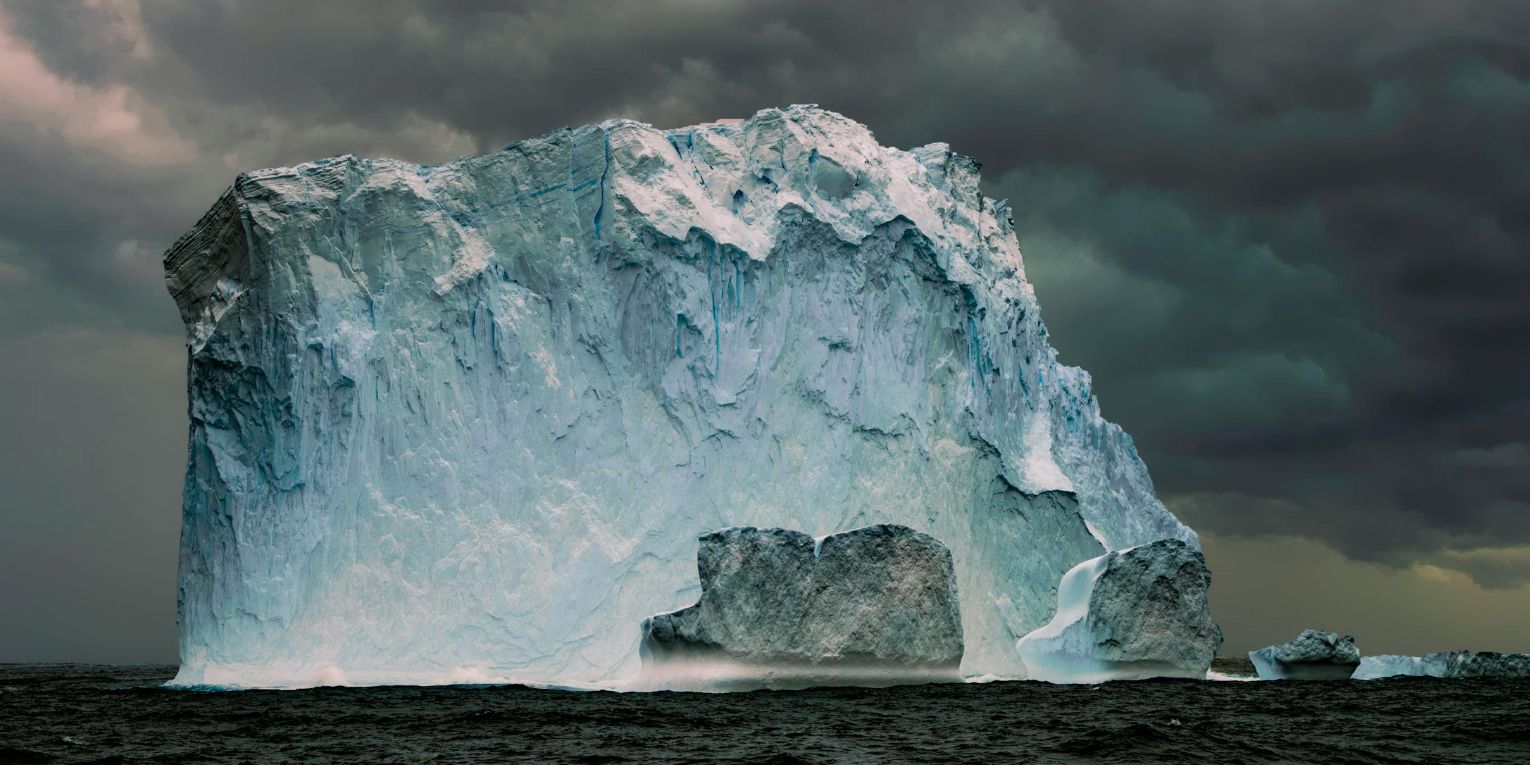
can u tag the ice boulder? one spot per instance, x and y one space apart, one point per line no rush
1448 664
1131 614
1313 655
780 609
466 420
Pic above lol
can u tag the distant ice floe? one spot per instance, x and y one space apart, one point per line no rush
1446 664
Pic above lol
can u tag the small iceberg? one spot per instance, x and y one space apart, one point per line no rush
1313 655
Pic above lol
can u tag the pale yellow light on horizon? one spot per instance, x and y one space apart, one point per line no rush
1266 590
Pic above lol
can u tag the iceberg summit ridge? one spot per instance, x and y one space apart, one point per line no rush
467 420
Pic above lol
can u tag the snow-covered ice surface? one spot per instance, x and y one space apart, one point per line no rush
467 420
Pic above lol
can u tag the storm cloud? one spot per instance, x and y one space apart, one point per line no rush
1291 241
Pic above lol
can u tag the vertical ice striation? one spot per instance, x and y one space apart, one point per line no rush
467 420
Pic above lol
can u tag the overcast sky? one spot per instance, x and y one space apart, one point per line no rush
1290 240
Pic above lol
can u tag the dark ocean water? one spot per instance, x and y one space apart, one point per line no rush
106 714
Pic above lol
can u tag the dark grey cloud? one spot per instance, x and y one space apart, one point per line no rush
90 455
1289 240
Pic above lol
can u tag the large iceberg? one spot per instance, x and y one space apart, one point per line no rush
1127 615
779 609
464 421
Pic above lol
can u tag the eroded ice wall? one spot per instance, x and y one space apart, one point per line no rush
465 421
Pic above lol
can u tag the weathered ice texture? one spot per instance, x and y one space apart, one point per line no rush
1313 655
1136 613
464 421
1451 664
778 607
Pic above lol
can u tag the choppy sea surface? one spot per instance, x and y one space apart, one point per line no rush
120 714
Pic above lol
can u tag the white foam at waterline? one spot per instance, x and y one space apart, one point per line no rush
1225 677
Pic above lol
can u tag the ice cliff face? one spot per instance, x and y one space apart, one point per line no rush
465 421
778 608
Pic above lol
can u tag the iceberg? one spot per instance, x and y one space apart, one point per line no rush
1128 615
779 609
1313 655
1446 664
466 420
